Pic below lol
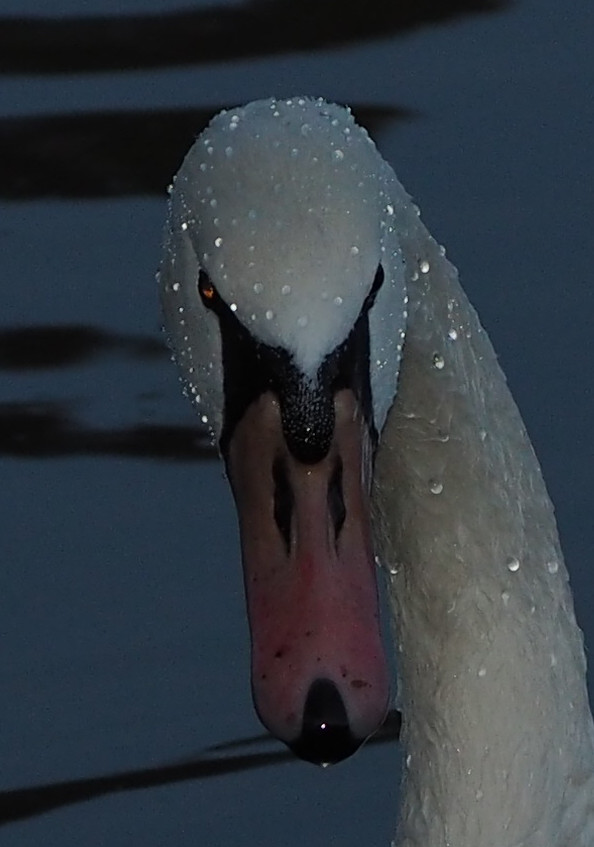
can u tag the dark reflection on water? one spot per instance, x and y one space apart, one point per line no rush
49 430
39 347
29 802
48 45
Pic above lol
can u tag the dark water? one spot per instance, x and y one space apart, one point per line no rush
122 627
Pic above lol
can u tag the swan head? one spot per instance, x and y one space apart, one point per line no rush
284 299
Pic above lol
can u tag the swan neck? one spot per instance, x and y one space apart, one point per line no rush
497 733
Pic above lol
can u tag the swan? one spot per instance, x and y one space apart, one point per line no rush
362 416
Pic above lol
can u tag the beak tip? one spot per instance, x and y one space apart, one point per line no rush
326 736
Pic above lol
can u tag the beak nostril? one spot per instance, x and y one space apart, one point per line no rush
336 506
284 501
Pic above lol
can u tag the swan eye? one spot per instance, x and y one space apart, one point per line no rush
206 289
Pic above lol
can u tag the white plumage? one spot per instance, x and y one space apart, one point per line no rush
497 730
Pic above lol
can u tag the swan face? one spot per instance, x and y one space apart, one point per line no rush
284 299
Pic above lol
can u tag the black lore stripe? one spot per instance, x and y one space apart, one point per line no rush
251 368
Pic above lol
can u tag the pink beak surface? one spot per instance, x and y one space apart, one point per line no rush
319 674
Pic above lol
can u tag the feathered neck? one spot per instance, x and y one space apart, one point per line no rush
497 733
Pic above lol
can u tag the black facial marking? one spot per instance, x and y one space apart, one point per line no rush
251 368
283 501
336 507
378 281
